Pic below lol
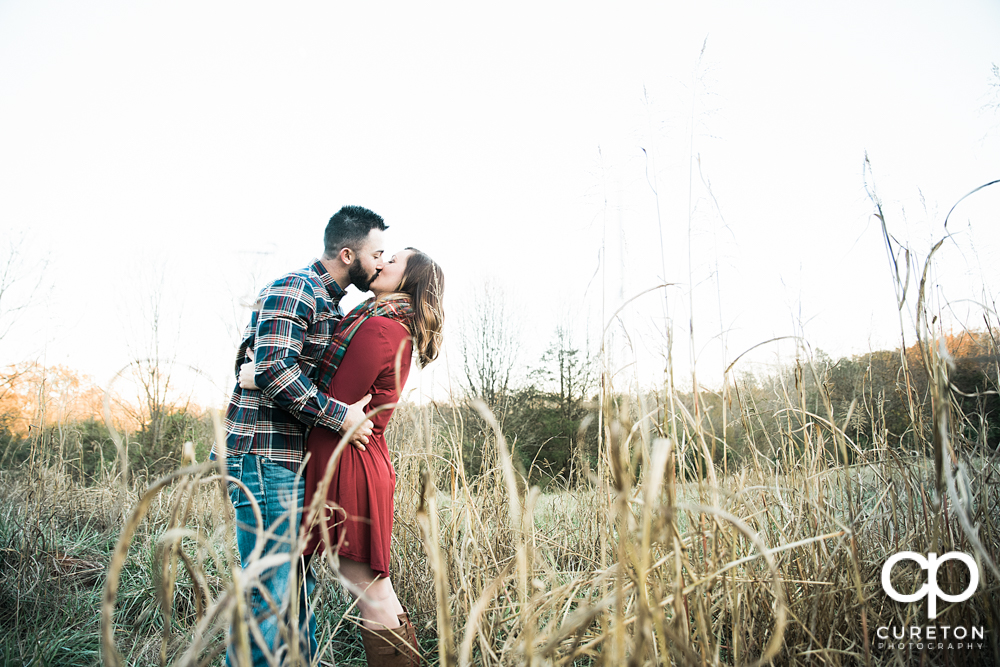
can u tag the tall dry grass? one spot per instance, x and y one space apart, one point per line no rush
660 558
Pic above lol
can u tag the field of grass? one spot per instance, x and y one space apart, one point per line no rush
655 556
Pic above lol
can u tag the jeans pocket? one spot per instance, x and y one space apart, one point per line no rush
234 472
281 489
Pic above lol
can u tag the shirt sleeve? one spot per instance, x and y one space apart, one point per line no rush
288 306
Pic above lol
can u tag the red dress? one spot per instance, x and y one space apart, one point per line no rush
359 501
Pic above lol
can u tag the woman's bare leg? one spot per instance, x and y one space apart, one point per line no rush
377 601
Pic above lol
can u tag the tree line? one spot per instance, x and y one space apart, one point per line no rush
876 399
547 414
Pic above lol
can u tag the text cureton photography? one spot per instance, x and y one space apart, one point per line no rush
944 637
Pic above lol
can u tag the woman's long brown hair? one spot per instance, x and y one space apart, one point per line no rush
423 282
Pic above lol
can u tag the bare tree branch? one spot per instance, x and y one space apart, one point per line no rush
20 281
490 347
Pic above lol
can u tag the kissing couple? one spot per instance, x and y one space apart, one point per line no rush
306 375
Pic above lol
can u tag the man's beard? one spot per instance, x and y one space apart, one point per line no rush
358 277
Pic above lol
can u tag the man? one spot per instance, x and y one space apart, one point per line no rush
266 429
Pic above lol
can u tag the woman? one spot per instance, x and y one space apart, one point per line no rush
370 354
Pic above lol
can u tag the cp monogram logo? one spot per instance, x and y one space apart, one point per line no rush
930 590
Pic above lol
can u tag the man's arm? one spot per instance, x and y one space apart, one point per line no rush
287 308
355 411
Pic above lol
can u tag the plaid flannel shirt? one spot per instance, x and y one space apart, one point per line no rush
289 330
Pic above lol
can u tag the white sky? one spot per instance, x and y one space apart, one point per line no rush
201 147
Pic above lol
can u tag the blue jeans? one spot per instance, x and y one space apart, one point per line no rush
276 490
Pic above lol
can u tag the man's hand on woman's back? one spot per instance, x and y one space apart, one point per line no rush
356 416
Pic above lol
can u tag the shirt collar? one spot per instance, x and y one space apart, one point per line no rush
333 288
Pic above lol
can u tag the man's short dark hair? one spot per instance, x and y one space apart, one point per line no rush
348 228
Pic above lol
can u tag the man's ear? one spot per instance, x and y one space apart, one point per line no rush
346 255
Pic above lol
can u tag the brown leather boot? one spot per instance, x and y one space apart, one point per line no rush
411 634
395 647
